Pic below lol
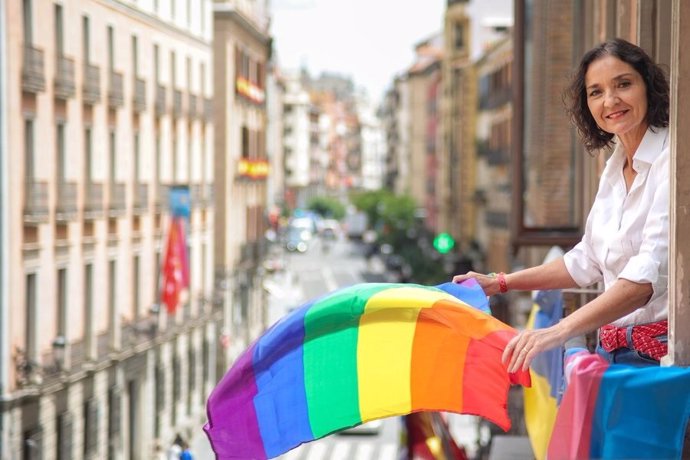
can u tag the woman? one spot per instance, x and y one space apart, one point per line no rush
620 97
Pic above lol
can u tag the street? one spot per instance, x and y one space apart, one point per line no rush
322 269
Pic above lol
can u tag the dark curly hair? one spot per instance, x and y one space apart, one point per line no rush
654 78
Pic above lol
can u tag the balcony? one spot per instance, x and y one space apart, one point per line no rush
208 195
33 70
141 197
208 109
116 97
192 107
93 201
91 89
66 208
161 102
36 202
161 197
139 103
118 198
64 78
196 196
177 103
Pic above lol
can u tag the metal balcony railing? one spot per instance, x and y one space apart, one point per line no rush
208 109
118 197
196 195
192 107
91 89
161 196
161 100
141 196
64 78
139 102
93 200
33 70
116 97
177 103
66 207
36 201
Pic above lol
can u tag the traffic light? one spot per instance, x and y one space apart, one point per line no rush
443 243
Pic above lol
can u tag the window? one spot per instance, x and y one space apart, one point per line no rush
172 69
27 17
156 64
137 159
88 155
60 148
29 154
459 36
59 32
547 212
136 294
245 142
88 303
113 156
111 49
61 302
135 56
30 327
112 290
86 39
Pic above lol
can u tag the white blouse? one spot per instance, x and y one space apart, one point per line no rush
626 235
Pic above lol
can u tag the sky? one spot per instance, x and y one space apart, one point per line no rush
369 40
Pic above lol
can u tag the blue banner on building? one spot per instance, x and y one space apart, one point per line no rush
180 201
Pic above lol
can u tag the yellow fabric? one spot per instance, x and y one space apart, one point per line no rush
540 407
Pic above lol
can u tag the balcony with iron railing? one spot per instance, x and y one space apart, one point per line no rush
36 202
141 197
91 88
93 200
66 207
208 109
118 198
33 70
192 107
161 100
139 103
195 195
161 196
64 78
208 195
116 96
177 103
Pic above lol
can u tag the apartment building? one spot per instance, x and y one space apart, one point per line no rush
296 140
108 105
492 195
241 52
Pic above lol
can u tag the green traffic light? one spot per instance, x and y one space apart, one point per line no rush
443 243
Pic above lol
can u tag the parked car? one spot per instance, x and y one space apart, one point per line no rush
298 239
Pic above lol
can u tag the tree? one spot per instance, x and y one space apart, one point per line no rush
327 207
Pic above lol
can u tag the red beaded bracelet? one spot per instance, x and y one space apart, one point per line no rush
502 285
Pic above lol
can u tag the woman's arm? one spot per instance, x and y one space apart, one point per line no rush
551 275
622 298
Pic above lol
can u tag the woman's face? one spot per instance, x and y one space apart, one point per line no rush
616 96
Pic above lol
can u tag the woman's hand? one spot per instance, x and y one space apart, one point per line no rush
522 348
489 283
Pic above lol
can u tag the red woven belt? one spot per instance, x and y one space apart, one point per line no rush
643 338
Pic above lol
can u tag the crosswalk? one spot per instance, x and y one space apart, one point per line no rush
344 450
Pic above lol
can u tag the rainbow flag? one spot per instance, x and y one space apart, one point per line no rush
620 411
362 353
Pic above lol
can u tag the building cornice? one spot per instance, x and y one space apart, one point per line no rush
154 21
228 12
